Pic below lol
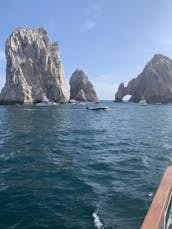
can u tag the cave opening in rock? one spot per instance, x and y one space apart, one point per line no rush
126 98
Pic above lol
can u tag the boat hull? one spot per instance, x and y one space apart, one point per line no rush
98 108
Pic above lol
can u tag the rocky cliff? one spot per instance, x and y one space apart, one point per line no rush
154 83
81 88
33 68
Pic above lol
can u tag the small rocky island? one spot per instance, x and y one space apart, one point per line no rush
154 83
33 68
81 88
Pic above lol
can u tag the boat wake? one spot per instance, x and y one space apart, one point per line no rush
97 222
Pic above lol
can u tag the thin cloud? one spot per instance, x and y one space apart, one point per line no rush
89 24
93 12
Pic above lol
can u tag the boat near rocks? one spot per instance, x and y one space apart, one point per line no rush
46 102
143 102
98 107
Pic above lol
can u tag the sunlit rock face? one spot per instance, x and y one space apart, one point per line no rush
81 88
33 68
154 83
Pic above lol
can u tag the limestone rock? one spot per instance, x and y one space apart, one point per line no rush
120 93
80 96
73 101
81 88
33 68
154 83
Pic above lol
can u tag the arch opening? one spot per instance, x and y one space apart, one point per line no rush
126 98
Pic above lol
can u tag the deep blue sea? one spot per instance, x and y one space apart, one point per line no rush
69 167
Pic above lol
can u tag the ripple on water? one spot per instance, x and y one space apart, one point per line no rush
65 167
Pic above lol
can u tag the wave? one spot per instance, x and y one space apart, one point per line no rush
97 222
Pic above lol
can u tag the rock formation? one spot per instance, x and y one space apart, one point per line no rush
80 96
33 68
154 83
81 88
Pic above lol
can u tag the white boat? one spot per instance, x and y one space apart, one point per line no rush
142 102
46 102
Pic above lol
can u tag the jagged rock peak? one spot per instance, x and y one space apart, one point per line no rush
158 59
80 76
34 30
33 68
154 83
81 88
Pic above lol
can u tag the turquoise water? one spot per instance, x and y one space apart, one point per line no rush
68 167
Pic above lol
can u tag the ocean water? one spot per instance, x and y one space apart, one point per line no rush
69 167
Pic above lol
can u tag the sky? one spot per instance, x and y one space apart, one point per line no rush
110 40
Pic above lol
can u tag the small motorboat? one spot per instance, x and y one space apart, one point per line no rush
143 102
46 102
95 107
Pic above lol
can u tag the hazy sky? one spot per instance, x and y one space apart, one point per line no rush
110 40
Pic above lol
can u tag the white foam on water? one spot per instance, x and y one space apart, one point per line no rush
97 222
145 161
150 194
